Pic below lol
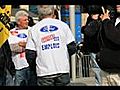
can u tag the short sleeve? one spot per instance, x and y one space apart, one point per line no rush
69 35
30 42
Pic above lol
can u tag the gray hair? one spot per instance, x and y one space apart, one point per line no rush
45 10
19 14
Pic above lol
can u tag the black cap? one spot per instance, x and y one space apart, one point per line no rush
94 9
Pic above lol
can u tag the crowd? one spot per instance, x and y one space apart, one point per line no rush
38 54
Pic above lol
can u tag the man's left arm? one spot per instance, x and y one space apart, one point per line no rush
112 32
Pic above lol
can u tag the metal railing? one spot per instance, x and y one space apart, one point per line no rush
81 65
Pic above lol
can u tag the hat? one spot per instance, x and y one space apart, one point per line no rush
94 9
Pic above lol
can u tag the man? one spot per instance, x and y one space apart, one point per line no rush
47 46
17 40
91 43
110 49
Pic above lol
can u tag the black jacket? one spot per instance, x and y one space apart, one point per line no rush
90 32
6 60
110 51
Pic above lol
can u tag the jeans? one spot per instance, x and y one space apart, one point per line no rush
96 69
54 80
9 79
22 77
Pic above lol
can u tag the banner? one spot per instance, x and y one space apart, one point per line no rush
5 12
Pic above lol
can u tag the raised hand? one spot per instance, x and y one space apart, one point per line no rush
105 14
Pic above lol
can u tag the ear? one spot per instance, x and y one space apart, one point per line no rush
18 22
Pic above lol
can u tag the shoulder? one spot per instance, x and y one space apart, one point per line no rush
14 29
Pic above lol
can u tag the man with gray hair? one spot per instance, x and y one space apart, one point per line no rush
17 41
50 43
44 11
19 16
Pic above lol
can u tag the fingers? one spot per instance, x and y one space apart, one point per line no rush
107 12
103 9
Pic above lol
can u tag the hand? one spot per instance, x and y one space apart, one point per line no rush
22 43
105 14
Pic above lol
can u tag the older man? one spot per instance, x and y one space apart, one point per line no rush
47 42
17 40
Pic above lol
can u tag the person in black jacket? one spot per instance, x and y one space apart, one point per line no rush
90 43
5 63
110 48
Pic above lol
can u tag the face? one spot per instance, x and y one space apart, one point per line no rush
23 22
95 16
118 8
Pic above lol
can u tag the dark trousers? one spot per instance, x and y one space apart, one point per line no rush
22 76
33 79
54 80
3 79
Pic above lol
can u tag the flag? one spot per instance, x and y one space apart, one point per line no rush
5 11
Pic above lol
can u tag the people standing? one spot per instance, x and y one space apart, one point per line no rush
49 44
110 48
91 43
17 40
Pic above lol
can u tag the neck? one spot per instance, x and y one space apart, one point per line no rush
22 28
50 16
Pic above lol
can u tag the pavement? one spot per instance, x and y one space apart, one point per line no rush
84 81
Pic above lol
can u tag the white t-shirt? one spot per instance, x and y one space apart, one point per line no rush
49 38
18 58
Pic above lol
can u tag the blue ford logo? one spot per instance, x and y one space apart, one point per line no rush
51 28
44 29
22 35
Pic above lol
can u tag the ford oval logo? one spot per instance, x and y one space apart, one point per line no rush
44 29
51 29
22 35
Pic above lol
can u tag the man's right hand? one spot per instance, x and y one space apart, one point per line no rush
105 14
22 43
